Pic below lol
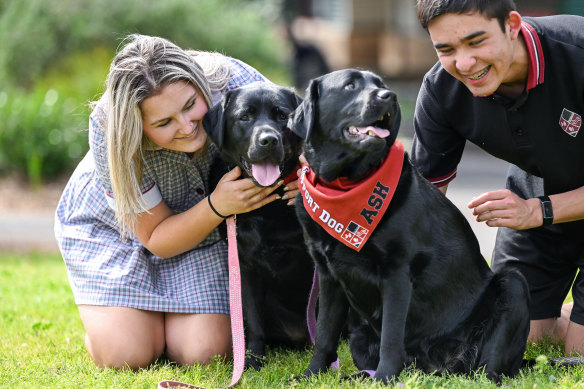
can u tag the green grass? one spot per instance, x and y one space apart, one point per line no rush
41 346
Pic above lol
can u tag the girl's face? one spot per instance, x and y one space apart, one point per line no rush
173 119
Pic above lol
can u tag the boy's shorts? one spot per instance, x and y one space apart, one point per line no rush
549 259
549 256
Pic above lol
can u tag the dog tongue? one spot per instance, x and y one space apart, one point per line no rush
264 173
380 132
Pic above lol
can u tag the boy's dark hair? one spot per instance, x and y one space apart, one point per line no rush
492 9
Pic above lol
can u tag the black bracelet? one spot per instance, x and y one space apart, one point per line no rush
214 210
546 210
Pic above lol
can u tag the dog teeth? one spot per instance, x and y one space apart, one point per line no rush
370 133
383 117
353 130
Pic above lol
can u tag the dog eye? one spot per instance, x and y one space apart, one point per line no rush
350 86
282 116
244 118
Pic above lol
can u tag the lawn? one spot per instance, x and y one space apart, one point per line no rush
41 346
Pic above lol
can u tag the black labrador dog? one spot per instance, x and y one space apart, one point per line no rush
250 129
392 249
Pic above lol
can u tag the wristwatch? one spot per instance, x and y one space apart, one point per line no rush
546 210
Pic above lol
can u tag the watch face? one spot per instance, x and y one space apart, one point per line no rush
547 210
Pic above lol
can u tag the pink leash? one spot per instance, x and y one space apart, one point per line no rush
311 313
236 312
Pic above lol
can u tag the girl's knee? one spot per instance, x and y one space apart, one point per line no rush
119 337
200 352
119 353
199 340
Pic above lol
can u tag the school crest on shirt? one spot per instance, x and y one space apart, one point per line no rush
570 122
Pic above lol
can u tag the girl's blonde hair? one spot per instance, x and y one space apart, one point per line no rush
141 69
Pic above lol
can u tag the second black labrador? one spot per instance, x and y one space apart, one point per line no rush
250 129
398 253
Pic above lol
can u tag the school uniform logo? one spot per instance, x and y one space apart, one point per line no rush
570 122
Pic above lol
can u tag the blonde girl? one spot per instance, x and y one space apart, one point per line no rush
146 264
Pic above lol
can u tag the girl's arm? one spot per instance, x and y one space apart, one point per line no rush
167 234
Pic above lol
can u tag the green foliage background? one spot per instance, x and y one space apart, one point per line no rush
55 55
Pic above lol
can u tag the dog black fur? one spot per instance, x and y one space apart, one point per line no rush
421 288
250 129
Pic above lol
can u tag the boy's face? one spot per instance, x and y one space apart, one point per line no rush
476 51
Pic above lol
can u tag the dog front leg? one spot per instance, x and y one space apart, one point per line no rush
396 295
253 302
333 308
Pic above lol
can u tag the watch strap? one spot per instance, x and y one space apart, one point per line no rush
546 210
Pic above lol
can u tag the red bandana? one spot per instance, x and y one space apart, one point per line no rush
293 176
348 211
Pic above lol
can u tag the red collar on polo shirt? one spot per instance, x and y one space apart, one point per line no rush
350 211
536 60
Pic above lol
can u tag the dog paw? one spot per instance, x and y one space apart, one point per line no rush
496 378
386 379
253 362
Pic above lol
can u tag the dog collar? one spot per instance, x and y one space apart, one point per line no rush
350 211
293 176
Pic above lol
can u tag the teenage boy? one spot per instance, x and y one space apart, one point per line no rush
515 87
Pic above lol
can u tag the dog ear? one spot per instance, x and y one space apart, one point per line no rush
305 115
214 121
293 97
297 99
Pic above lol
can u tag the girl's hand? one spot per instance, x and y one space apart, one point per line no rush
291 189
233 195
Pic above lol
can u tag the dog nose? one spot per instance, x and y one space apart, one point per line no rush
385 94
267 139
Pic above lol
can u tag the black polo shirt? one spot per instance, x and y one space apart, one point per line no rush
540 132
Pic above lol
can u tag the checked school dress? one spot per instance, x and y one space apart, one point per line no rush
103 269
